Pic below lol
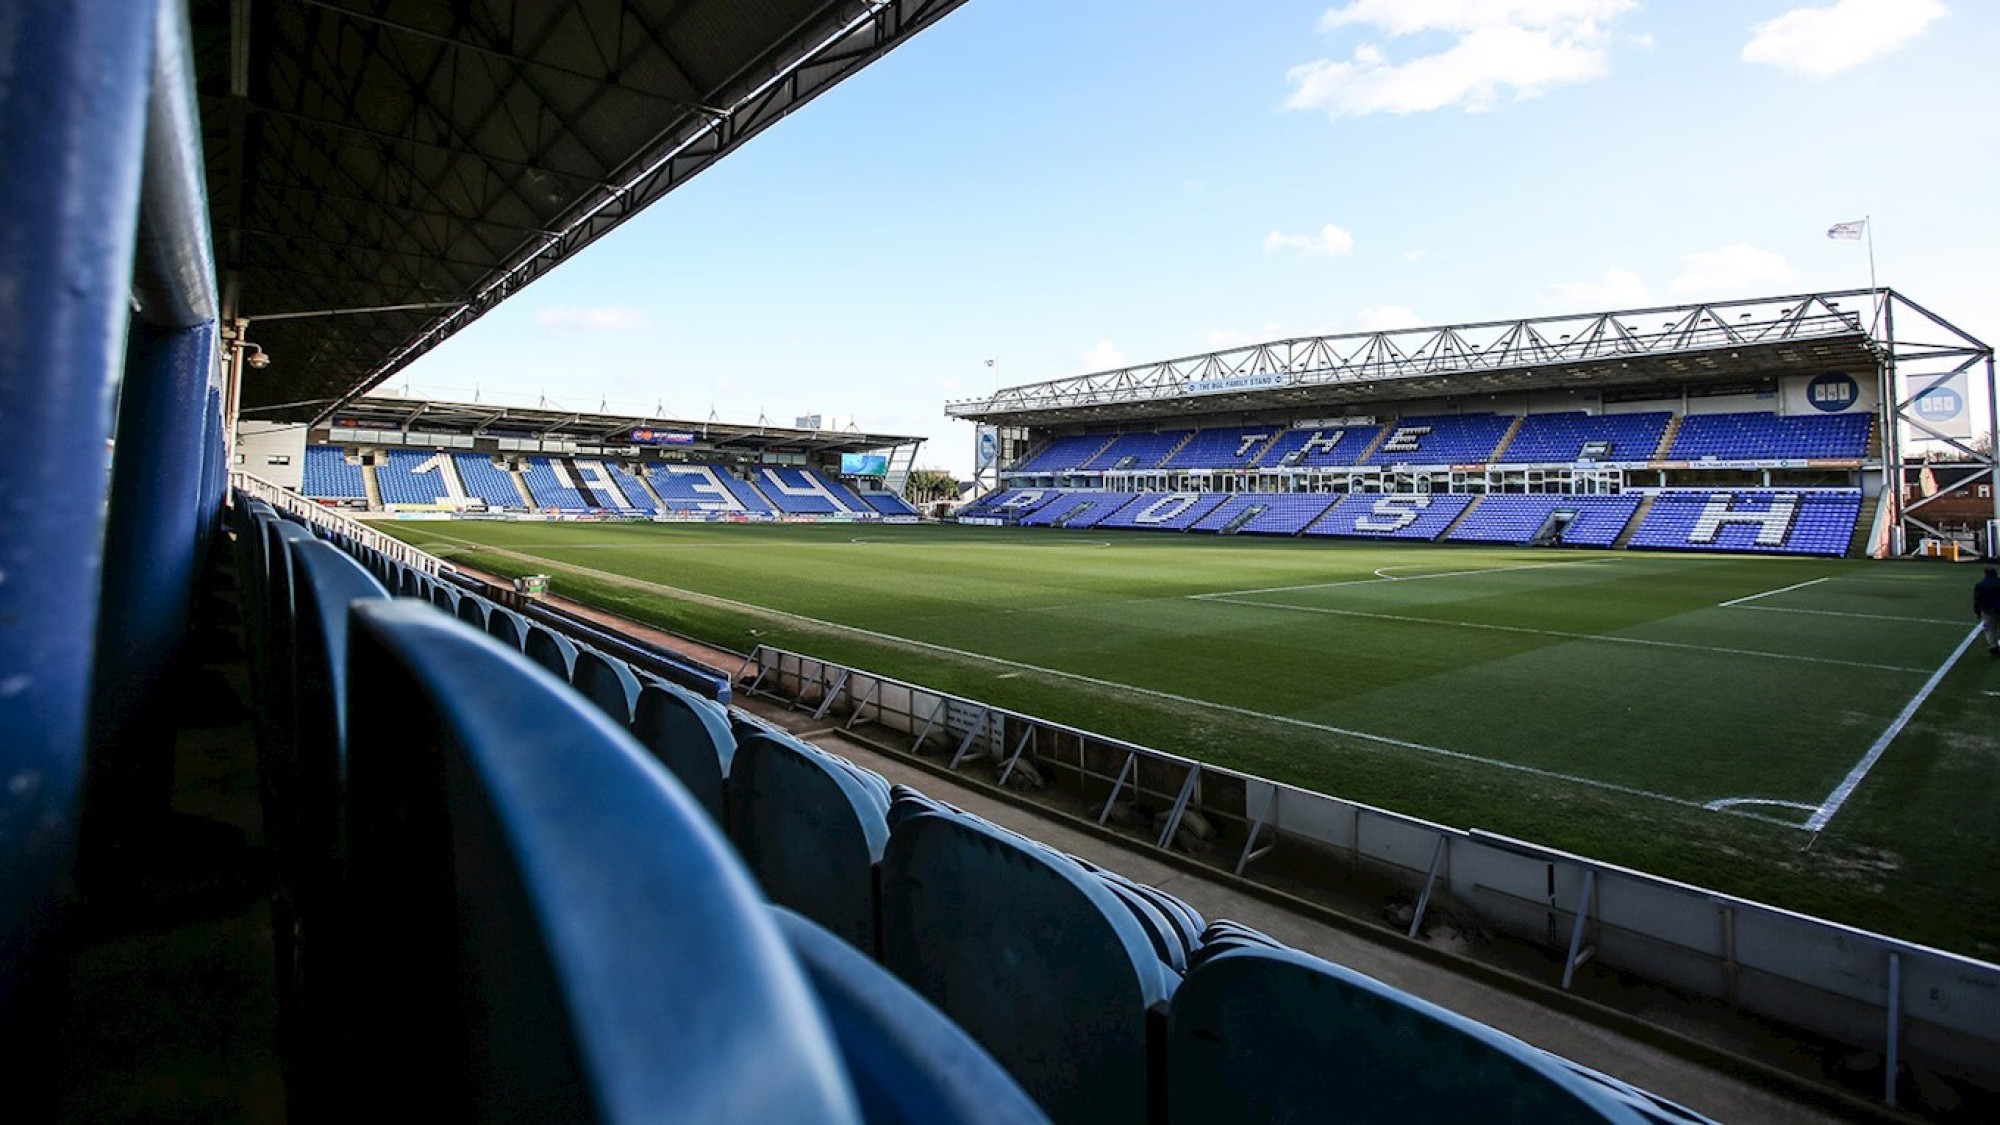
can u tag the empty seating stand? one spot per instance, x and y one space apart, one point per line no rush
1771 437
487 481
409 476
1229 447
1063 454
328 476
1572 436
1368 515
1077 509
1591 521
551 489
888 504
1135 452
703 488
1444 439
800 491
1261 513
1318 447
1804 522
1163 511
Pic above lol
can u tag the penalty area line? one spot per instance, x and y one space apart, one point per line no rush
1827 808
1779 590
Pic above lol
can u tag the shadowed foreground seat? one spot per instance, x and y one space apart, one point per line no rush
556 931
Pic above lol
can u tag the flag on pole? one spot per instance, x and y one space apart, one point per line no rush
1848 231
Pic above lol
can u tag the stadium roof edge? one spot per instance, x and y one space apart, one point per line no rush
414 415
362 214
1697 343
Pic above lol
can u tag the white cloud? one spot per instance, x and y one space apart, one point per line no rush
1820 42
1103 357
606 318
1331 241
1733 271
1501 50
1387 318
1617 289
1421 255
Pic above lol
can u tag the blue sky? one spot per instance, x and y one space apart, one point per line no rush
1074 186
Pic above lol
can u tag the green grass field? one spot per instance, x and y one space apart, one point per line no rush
1684 715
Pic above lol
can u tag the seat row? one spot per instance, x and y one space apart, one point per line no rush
1562 438
524 880
1804 522
583 485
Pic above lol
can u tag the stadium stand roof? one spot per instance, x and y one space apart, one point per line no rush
426 161
1712 343
435 416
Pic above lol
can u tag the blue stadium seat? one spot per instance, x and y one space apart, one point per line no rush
606 682
551 650
560 936
691 736
472 610
1033 957
307 833
910 1065
507 627
1271 1034
811 831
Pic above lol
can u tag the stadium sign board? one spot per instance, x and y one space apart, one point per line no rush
1236 383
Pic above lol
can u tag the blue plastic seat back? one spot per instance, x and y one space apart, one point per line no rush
443 596
280 535
413 583
328 583
559 933
472 611
507 627
910 1065
691 737
1032 956
551 650
606 682
810 831
1272 1034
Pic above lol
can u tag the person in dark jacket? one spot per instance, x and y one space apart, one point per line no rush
1986 607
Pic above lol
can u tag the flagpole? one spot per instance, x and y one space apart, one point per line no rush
1874 294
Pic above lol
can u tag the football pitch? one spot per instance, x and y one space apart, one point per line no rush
1819 734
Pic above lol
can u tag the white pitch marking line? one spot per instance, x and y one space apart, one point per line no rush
1286 720
1605 638
1780 590
1731 802
1865 616
1852 781
1380 577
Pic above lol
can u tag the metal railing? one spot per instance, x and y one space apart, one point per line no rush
333 519
1872 992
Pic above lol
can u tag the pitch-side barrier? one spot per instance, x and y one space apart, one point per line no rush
1919 1007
